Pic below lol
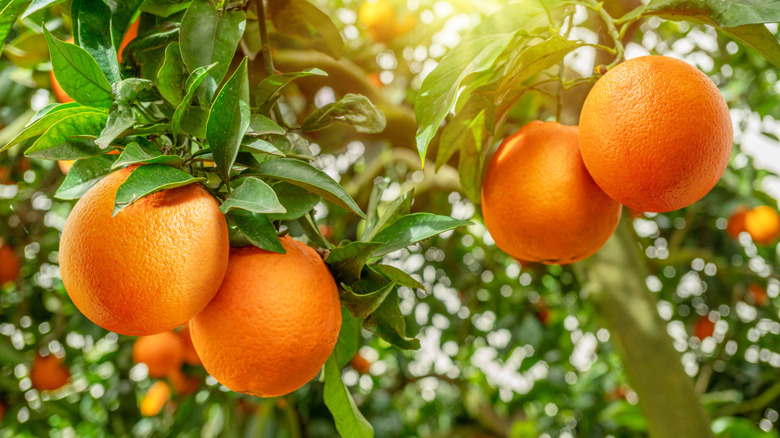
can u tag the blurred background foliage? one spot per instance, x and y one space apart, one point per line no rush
507 349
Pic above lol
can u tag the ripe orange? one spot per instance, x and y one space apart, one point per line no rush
48 373
704 328
736 222
758 295
183 384
273 323
538 201
190 355
162 353
150 268
155 398
655 133
763 224
9 264
360 364
380 19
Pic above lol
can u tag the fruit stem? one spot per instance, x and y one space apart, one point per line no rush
598 7
265 48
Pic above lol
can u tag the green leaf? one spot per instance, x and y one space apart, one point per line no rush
127 91
253 195
193 82
65 140
38 5
305 175
399 207
229 120
362 304
119 120
398 276
388 323
164 8
149 179
38 127
171 78
353 109
9 12
303 22
466 132
269 90
296 200
208 37
349 421
349 338
347 262
258 229
413 228
78 74
94 36
134 154
84 174
758 38
262 125
123 13
372 213
50 108
261 147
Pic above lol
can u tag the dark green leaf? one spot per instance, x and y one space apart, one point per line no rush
253 195
349 337
303 22
364 304
388 323
172 76
347 262
9 12
123 12
229 120
38 5
349 421
262 125
78 74
64 139
38 127
149 179
296 200
84 174
134 154
269 90
305 175
354 109
209 37
413 228
94 36
164 8
398 276
258 229
191 87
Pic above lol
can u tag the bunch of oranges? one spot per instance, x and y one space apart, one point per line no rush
655 135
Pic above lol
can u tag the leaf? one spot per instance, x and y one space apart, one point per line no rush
262 125
149 179
191 87
400 206
353 109
258 229
38 5
758 38
64 139
229 120
127 91
171 78
388 323
119 120
209 37
78 74
305 175
269 90
84 174
305 23
94 36
52 107
347 262
39 126
296 200
349 337
123 12
253 195
465 131
164 8
413 228
398 276
349 421
361 303
372 213
261 147
9 12
134 154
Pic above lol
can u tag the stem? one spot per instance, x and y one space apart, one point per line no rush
598 8
265 48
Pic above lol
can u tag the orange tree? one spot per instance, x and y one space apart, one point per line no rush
312 120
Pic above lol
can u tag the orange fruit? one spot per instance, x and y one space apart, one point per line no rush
183 384
155 398
380 18
758 295
360 364
635 214
190 355
273 323
736 222
130 35
162 353
48 374
655 133
703 328
538 201
763 224
151 267
9 264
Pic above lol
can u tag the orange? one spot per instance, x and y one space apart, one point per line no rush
162 353
655 134
704 328
9 264
155 398
380 19
183 384
190 355
360 364
763 224
273 323
151 267
758 295
538 201
48 373
736 222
